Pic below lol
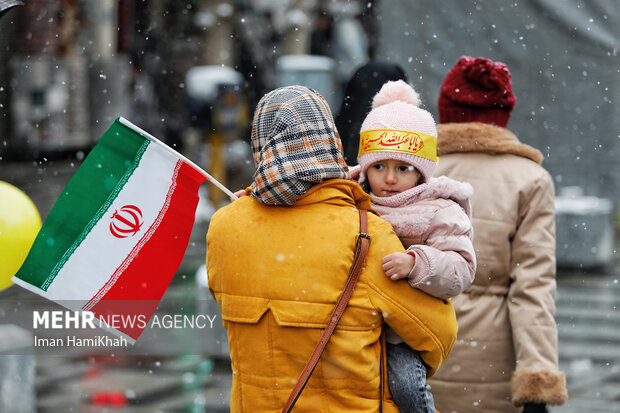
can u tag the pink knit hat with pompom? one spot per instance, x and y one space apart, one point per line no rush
396 128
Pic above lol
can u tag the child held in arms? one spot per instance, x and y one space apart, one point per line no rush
432 217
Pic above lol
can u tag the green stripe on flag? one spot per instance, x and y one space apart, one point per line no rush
82 203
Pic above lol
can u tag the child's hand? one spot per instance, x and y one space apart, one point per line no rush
398 265
238 194
355 172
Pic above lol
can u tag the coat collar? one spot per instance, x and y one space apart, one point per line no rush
337 192
482 137
334 191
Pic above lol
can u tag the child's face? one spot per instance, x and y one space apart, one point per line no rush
390 177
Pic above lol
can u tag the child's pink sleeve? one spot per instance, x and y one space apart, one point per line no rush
446 264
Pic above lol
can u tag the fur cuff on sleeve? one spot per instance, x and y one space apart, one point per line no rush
538 386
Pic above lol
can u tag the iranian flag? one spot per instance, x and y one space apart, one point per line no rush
118 232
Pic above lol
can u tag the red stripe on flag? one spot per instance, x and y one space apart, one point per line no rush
135 289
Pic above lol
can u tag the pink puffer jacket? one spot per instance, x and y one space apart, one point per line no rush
433 221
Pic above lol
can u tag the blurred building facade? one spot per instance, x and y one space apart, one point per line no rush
565 66
73 66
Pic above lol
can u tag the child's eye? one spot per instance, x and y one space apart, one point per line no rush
378 166
406 168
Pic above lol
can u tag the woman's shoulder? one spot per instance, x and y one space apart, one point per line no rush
493 169
237 213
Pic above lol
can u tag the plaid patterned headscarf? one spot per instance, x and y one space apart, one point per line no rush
295 145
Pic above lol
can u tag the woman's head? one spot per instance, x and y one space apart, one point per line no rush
295 145
360 90
476 90
397 129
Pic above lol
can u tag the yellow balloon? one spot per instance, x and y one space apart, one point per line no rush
19 225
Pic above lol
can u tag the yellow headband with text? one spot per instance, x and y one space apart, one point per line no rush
398 140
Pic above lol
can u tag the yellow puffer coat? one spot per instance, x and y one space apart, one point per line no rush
277 272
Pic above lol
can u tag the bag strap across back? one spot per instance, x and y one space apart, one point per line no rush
361 250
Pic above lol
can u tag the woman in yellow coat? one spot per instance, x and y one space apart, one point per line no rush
278 260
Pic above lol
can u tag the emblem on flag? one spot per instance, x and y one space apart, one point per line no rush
126 222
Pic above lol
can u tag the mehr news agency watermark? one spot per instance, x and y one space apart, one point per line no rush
53 320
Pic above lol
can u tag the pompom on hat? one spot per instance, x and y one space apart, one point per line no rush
476 90
396 128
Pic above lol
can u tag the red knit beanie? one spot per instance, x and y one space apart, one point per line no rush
476 90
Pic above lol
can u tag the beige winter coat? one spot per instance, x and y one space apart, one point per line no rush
506 353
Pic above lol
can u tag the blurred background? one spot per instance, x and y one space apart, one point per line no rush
191 72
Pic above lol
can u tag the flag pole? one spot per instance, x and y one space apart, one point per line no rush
200 170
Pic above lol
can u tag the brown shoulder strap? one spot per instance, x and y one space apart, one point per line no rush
361 250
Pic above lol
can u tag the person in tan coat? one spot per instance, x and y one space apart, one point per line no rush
278 259
506 355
